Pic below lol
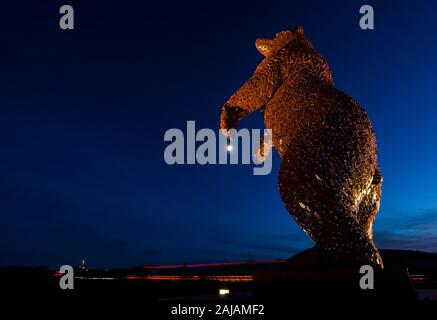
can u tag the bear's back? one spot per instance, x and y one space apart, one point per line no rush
306 104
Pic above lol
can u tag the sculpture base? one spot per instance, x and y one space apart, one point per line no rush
319 258
333 284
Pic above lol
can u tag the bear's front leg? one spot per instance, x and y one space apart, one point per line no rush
252 95
264 148
229 118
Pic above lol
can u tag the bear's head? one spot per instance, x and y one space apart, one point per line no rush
268 46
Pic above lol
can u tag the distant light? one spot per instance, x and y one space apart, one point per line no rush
223 292
229 147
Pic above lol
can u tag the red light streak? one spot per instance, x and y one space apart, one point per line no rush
193 278
200 265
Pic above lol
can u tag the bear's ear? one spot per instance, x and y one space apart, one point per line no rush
299 30
283 37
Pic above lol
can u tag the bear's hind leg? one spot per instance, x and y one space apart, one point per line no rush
319 205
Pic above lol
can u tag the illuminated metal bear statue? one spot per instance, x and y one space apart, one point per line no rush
329 178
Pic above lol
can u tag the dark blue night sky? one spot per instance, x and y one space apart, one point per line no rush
83 115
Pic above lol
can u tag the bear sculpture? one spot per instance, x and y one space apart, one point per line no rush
329 178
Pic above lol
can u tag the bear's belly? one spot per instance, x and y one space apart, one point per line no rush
335 142
289 122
